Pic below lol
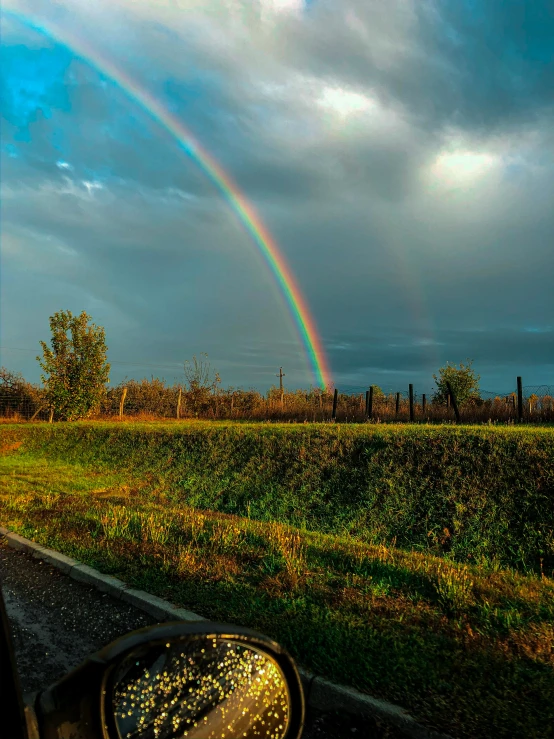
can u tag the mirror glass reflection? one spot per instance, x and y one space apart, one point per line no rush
200 688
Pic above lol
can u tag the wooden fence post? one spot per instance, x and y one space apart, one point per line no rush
454 403
423 403
179 404
335 400
397 403
35 414
122 402
411 391
519 400
370 403
367 403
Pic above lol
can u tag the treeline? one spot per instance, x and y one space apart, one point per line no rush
76 386
154 398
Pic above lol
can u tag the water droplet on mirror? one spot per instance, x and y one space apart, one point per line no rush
201 694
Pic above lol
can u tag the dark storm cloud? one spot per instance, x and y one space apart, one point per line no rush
503 57
487 347
393 358
485 66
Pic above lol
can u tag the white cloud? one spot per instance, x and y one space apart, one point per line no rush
462 168
460 163
344 102
64 165
177 192
91 186
282 6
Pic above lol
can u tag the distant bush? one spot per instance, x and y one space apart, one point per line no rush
464 383
158 399
17 396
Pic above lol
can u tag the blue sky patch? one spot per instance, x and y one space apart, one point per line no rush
32 83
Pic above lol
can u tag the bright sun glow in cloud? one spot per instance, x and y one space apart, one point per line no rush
283 5
344 102
462 168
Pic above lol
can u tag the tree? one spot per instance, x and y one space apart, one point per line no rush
202 382
76 368
16 394
464 382
12 384
377 392
199 374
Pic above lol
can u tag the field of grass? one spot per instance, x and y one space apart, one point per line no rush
291 530
468 491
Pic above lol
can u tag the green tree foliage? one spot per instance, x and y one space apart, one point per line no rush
76 368
464 382
377 392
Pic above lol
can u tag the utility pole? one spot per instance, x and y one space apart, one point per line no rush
280 376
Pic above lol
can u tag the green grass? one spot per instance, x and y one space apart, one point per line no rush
470 492
465 646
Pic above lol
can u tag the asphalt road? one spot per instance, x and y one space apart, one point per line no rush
57 622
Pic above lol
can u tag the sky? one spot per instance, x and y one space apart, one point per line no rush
400 154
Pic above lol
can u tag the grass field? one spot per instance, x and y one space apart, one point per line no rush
291 530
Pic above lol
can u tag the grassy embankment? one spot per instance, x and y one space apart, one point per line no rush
414 563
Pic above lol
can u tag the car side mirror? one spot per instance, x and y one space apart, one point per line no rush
200 681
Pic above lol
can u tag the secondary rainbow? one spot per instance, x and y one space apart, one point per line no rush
300 314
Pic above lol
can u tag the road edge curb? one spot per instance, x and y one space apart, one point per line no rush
320 693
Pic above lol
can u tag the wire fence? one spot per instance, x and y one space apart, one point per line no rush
153 399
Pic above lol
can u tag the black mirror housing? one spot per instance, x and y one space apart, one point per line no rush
78 706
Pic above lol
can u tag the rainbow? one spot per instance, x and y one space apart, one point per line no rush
296 304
